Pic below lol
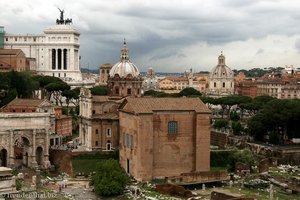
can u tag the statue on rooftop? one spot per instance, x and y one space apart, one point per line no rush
61 20
61 14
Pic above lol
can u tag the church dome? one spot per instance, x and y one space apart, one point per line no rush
125 67
221 70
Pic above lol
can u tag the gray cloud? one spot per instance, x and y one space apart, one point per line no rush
297 45
163 33
260 51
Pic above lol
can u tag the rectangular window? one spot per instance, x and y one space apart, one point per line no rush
215 84
172 127
129 91
96 143
108 132
97 131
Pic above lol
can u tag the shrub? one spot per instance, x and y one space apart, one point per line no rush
110 179
18 184
237 128
230 158
234 116
220 123
243 156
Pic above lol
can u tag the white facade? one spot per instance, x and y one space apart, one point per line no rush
221 80
56 50
151 81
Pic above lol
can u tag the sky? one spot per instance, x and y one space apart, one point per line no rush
171 35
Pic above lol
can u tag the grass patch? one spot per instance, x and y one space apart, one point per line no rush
217 169
85 164
263 194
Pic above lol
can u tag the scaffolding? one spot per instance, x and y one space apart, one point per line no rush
1 37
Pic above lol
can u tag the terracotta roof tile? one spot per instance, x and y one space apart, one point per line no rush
148 105
26 102
9 51
98 98
113 115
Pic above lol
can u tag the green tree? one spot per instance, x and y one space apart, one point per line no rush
44 81
234 116
220 123
154 93
23 83
189 91
279 117
209 101
71 96
99 90
55 90
236 128
244 156
110 179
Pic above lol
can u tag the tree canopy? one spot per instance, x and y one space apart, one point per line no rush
99 90
189 91
110 179
279 117
16 84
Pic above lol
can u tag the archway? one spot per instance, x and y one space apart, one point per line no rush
21 150
3 157
39 156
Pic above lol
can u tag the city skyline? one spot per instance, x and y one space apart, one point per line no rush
171 37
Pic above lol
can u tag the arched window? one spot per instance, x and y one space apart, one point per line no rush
223 84
172 127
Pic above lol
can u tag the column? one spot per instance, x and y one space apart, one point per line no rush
33 158
11 149
46 154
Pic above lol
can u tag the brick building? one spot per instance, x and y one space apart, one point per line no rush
13 59
246 87
164 137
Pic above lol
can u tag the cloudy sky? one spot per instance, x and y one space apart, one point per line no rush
171 35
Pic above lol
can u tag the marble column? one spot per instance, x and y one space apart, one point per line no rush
33 157
11 149
46 154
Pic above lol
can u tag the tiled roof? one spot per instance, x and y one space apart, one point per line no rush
98 98
9 51
148 105
113 115
176 78
26 102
